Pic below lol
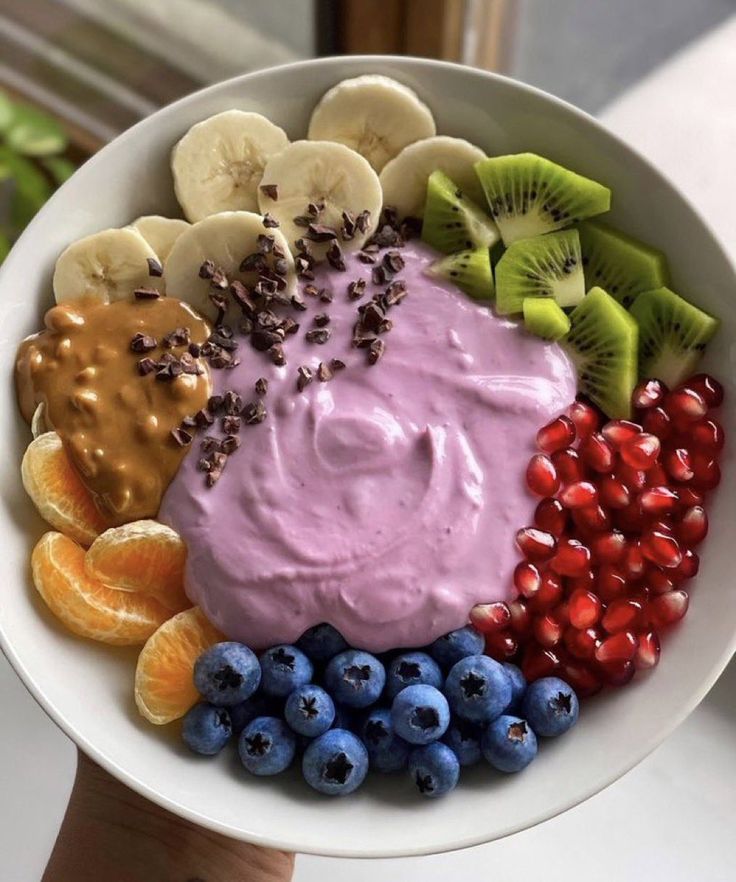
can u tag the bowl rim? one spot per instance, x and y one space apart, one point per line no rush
599 782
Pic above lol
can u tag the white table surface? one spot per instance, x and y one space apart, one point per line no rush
671 818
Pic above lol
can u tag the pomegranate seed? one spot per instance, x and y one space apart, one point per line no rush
649 393
661 549
685 404
541 476
527 579
501 645
707 436
666 609
634 479
489 617
572 558
520 617
678 464
618 647
657 476
597 453
539 662
658 581
689 566
689 497
584 609
618 431
611 583
623 614
608 547
665 524
693 526
581 678
558 433
658 500
582 644
585 417
536 544
549 594
584 582
547 630
706 472
561 613
569 465
633 564
579 494
551 517
647 653
641 452
591 519
708 388
617 673
657 422
613 493
630 519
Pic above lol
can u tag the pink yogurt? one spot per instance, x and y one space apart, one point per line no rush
386 500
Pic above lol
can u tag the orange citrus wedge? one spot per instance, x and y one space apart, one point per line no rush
143 556
164 684
87 606
57 490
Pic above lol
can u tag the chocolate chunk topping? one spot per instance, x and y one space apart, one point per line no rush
378 275
304 377
271 190
321 233
393 262
335 258
230 444
336 364
270 222
207 270
252 263
261 386
371 316
209 443
362 221
277 355
181 436
318 335
265 243
154 267
302 220
146 294
219 280
146 366
195 350
289 326
177 337
347 230
375 351
231 425
324 372
254 413
310 290
298 303
203 418
395 293
263 340
366 257
232 403
143 343
325 296
214 403
280 266
356 289
321 319
315 208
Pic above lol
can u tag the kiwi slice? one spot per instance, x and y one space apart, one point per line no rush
672 335
543 317
529 195
452 221
602 342
545 266
469 270
620 264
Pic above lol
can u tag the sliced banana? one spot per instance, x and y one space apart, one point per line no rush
107 266
218 164
160 232
320 172
225 239
373 115
404 179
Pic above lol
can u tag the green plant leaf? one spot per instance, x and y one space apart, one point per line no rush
34 133
4 246
60 168
30 188
7 111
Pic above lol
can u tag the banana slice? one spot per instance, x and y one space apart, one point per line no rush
320 172
38 421
404 179
225 239
218 164
160 232
108 266
373 115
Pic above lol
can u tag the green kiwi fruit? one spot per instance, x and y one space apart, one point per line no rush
672 335
620 264
545 266
544 318
469 270
603 343
452 221
529 195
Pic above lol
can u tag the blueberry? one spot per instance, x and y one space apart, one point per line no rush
322 642
336 763
411 668
309 710
420 714
518 687
450 648
509 744
258 705
355 678
551 706
266 746
386 751
206 729
434 769
284 668
463 738
227 673
478 689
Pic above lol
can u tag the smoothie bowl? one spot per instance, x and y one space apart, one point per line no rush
386 446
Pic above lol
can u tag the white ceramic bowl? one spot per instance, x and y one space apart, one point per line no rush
87 688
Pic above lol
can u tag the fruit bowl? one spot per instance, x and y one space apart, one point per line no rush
86 688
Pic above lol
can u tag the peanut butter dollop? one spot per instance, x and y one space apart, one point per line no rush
114 422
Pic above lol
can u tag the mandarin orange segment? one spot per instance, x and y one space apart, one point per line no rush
57 490
164 677
87 606
143 556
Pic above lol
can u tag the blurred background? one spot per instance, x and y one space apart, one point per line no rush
75 73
